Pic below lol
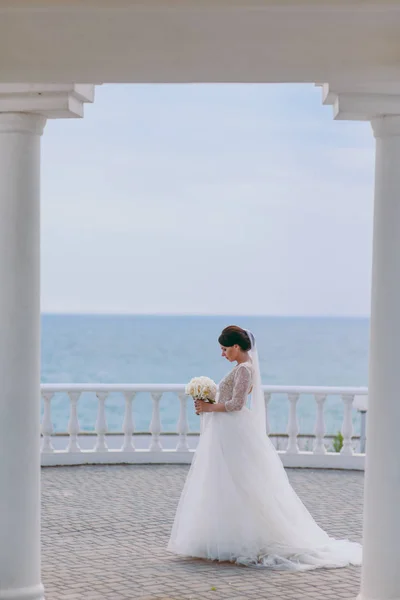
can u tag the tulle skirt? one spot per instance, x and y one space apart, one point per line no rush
237 505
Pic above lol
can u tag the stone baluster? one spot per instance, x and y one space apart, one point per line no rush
47 425
347 428
155 425
128 426
101 423
363 429
73 423
183 425
267 399
319 446
293 426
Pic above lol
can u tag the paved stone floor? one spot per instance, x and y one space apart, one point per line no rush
105 529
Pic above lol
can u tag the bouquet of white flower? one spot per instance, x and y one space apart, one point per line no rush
202 388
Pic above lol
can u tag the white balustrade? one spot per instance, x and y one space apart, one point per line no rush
183 425
319 446
101 423
293 426
309 449
47 425
347 429
155 425
73 423
128 426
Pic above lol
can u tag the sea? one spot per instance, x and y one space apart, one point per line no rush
173 349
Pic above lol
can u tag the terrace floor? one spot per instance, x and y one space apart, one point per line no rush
105 530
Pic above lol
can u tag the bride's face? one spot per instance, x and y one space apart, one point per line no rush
230 352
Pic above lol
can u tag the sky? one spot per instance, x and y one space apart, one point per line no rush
207 199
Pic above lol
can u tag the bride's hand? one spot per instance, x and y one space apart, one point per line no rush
202 406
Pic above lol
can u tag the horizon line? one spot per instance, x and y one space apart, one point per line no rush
212 315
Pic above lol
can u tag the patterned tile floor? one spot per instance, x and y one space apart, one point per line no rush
105 528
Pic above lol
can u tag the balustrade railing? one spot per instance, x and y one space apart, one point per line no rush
296 448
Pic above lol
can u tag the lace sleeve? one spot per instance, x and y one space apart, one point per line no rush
241 389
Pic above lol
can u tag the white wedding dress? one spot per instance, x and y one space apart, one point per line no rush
237 504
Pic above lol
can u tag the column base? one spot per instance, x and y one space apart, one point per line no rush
35 592
363 597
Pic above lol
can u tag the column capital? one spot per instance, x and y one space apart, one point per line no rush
22 123
386 126
53 101
360 101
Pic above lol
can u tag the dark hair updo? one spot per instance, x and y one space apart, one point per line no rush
233 335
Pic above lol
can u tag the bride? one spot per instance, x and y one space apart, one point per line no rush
237 504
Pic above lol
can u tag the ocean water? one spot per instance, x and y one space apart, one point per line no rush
171 349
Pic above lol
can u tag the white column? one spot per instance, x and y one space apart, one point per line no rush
20 356
380 571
